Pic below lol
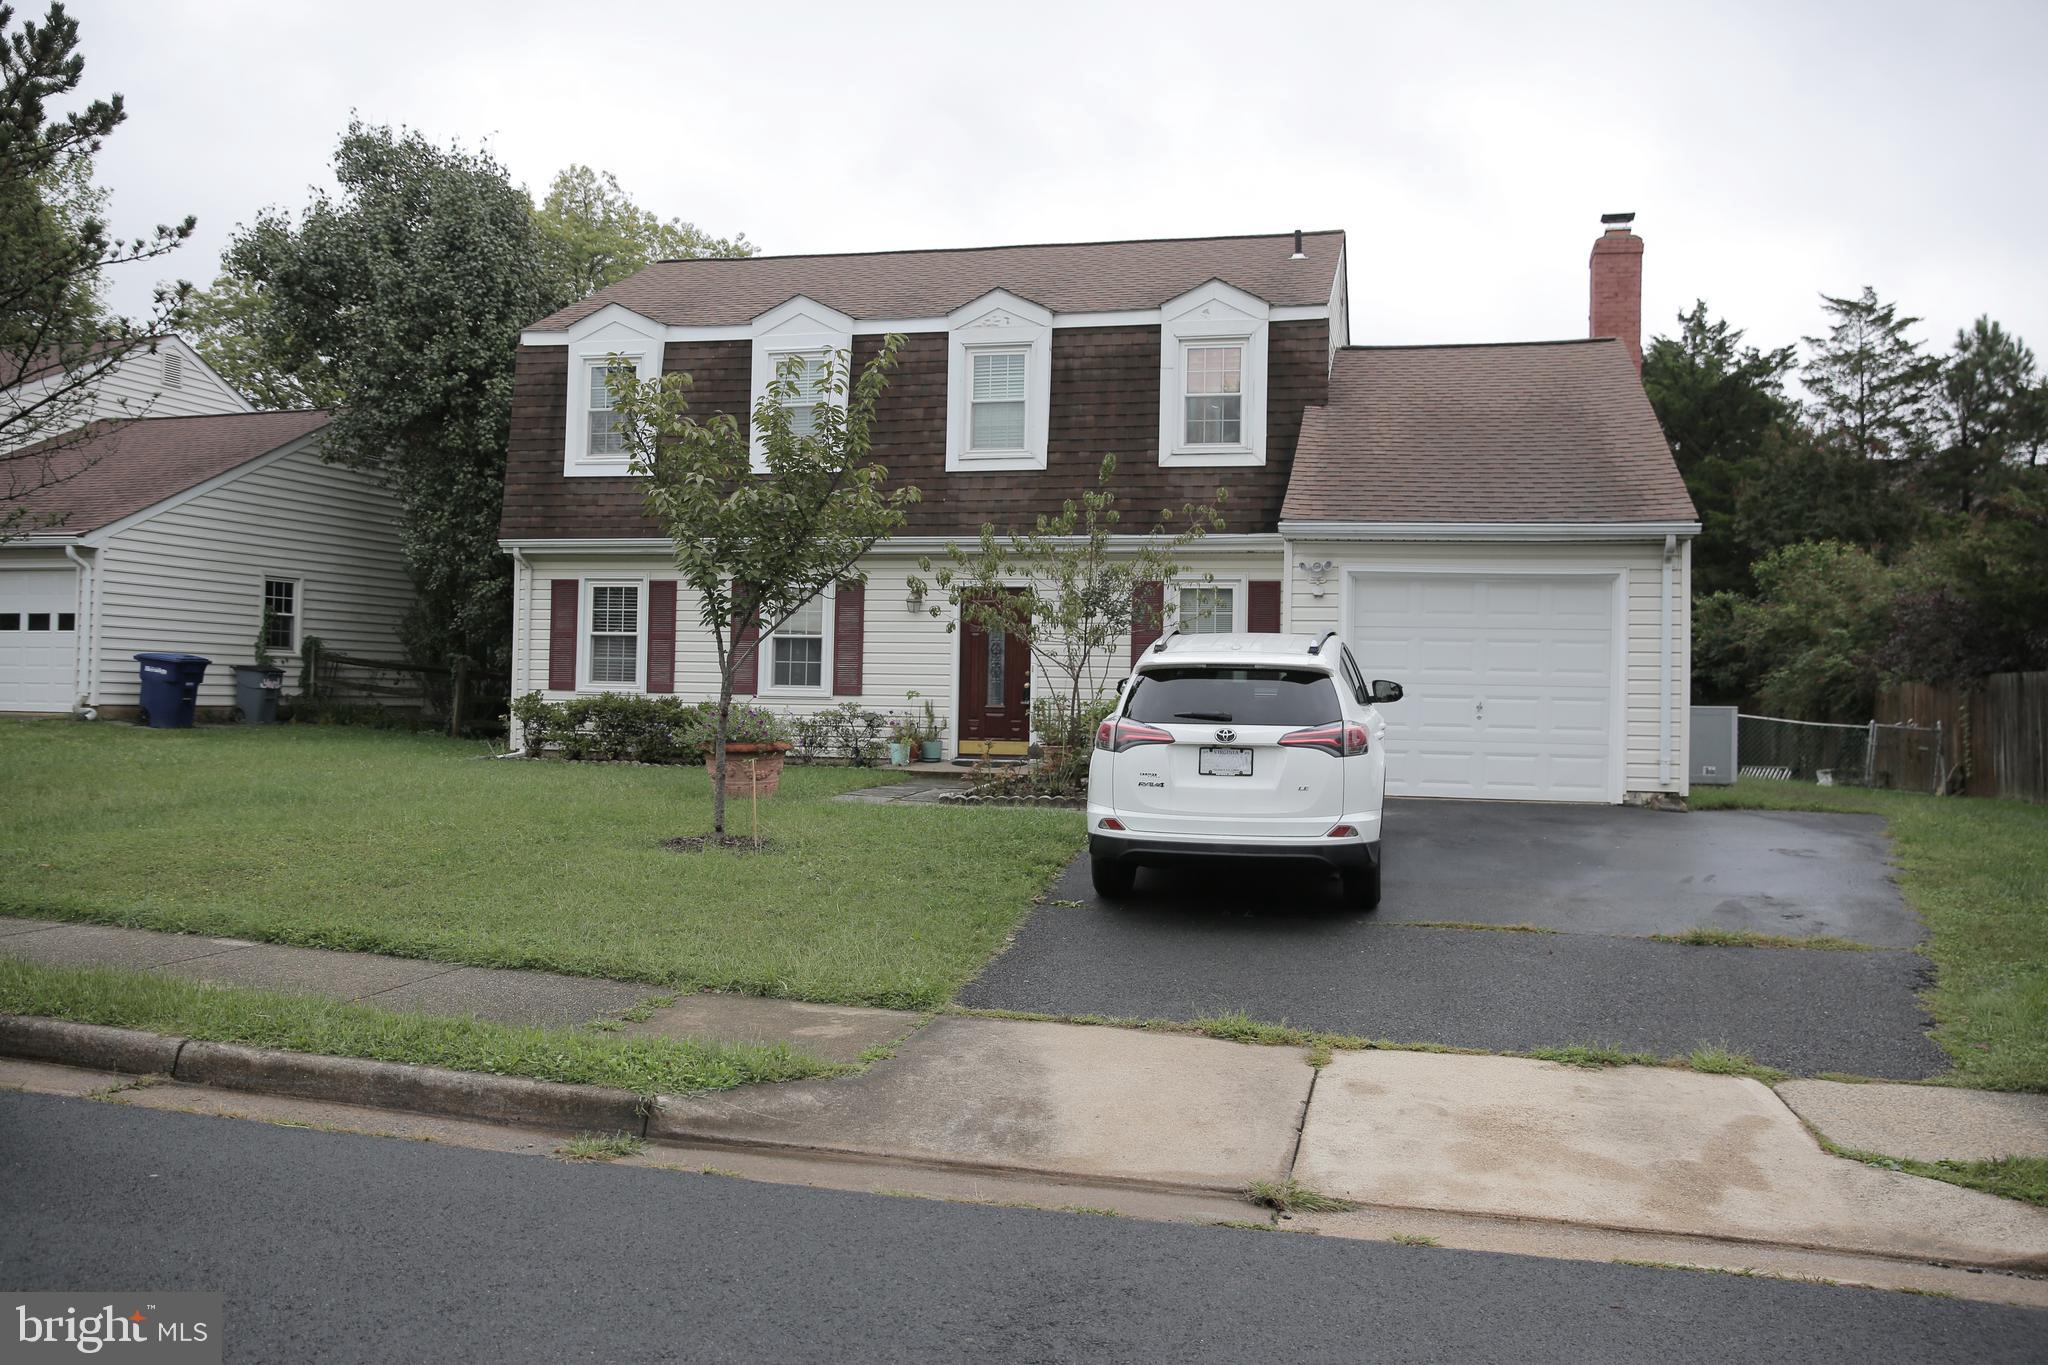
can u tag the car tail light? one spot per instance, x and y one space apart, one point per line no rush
1342 832
1109 822
1119 735
1344 737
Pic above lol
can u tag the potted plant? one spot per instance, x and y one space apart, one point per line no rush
931 731
755 743
903 741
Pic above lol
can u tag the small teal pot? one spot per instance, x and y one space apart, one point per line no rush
899 753
934 750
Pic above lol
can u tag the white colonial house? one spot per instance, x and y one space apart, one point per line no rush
1499 528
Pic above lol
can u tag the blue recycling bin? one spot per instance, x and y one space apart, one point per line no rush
170 689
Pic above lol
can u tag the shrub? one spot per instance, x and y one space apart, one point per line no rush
614 727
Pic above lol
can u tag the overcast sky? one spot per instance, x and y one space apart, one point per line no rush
1771 151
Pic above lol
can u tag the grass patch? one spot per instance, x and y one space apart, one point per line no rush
600 1147
1593 1055
333 837
1414 1239
1291 1196
1703 937
1474 924
1977 871
1714 1060
306 1023
2024 1178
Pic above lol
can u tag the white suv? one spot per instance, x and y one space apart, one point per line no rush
1241 746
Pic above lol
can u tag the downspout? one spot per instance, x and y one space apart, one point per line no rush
1286 585
522 574
86 664
1664 668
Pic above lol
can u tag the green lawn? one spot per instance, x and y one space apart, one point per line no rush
1977 871
343 838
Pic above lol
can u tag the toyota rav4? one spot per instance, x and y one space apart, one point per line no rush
1241 746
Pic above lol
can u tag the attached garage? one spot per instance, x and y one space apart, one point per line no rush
39 655
1511 681
1501 530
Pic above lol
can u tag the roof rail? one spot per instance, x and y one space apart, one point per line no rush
1317 647
1159 645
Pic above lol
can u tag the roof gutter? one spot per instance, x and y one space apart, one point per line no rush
1488 530
1224 542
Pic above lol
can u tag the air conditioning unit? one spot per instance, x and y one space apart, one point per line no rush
1712 756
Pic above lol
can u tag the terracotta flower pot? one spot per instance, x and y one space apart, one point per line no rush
750 769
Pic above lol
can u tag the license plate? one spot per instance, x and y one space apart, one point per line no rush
1226 763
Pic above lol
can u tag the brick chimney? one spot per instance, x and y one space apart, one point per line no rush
1617 269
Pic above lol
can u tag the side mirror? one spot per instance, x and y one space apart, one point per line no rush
1120 685
1384 691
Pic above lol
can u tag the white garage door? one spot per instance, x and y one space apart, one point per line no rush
38 639
1509 682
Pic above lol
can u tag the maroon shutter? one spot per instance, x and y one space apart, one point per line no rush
661 635
746 645
849 627
1262 606
1148 609
562 595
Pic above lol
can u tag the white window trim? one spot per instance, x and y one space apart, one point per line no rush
801 324
1002 322
611 331
298 608
1213 314
586 617
765 659
1238 605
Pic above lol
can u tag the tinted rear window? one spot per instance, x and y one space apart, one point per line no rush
1234 696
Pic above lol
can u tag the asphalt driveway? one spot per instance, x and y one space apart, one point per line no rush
1600 879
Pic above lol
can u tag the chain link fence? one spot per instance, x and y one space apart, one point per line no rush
1906 757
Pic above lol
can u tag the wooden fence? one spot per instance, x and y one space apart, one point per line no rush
428 695
1996 729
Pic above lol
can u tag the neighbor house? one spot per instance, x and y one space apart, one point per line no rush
176 533
1500 528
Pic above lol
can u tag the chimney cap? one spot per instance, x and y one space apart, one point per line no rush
1299 254
1617 220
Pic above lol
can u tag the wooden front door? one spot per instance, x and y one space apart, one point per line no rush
994 689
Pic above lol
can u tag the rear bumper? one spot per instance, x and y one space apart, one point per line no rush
1137 850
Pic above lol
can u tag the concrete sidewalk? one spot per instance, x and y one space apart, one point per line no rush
1647 1150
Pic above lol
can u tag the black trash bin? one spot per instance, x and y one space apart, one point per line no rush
256 692
170 689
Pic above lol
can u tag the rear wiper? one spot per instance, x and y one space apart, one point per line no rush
1223 716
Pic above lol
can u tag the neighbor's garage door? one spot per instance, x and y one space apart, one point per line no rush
38 639
1509 680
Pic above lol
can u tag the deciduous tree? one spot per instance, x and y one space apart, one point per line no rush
595 234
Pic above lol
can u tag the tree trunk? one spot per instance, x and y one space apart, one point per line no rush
718 755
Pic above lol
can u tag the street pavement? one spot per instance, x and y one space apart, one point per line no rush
332 1246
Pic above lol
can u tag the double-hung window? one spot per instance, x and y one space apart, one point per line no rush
797 650
811 382
1208 611
1214 396
615 635
280 614
996 409
605 439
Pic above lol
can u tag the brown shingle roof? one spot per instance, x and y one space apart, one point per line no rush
1083 277
1532 432
110 470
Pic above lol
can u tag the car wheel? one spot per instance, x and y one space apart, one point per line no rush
1362 887
1113 880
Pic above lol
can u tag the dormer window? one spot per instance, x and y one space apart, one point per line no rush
1212 378
998 384
810 387
612 339
1214 396
799 327
997 420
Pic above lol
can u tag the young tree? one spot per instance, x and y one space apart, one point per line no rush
405 294
755 547
1722 406
232 327
1807 645
596 234
1072 585
1870 382
54 247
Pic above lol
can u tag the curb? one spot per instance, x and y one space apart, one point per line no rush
345 1080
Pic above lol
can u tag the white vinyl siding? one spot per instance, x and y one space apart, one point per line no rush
191 577
136 386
